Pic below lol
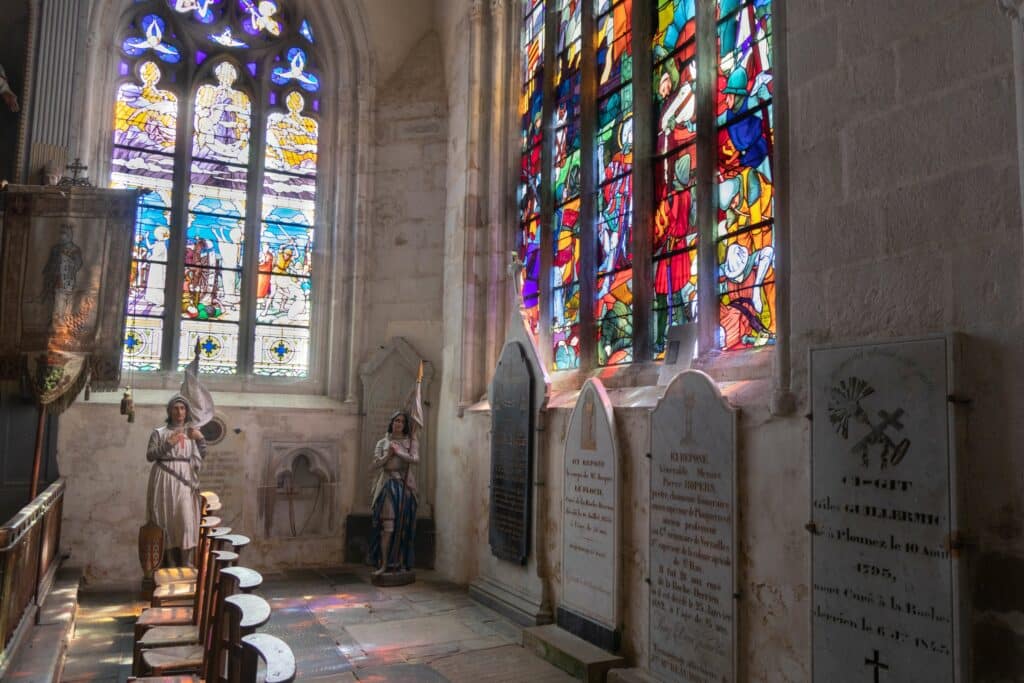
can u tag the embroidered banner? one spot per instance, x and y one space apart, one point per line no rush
64 273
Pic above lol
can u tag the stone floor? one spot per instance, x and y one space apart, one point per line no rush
341 628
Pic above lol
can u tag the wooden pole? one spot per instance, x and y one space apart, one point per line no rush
37 460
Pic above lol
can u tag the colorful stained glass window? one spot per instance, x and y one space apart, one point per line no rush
531 102
613 291
744 231
674 229
201 211
566 186
578 175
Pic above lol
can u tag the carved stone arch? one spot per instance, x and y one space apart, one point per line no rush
298 492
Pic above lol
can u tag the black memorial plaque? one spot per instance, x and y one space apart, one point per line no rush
511 455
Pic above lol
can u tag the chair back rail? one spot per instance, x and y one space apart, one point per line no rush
280 662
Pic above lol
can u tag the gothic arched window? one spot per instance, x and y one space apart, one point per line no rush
646 182
216 120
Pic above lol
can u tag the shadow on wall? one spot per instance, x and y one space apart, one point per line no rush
13 44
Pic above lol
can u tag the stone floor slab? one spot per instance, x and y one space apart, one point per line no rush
507 664
411 632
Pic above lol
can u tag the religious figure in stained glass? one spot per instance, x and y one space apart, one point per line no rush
260 17
292 138
146 116
222 118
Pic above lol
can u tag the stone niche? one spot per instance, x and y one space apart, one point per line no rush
388 377
299 490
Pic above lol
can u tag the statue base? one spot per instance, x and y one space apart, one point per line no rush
398 578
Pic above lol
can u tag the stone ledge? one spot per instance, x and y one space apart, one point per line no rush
630 676
40 656
570 653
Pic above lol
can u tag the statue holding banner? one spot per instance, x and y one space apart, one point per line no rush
176 450
394 494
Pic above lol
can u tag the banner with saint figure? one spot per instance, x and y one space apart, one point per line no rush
64 267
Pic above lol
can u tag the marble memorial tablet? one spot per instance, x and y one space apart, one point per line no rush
590 517
693 533
885 602
511 455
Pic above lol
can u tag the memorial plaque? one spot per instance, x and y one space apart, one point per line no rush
511 455
885 600
590 520
693 533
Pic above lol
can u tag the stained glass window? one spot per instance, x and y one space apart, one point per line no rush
716 209
242 179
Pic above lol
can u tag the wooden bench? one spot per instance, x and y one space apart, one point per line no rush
166 575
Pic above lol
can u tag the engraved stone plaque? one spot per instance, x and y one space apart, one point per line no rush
511 455
885 604
590 518
693 533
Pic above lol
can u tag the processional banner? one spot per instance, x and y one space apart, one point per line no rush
64 269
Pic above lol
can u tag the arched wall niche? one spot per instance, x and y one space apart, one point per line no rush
347 67
298 494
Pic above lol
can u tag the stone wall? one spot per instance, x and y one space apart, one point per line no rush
103 458
903 212
906 220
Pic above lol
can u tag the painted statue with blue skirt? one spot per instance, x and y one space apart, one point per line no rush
395 494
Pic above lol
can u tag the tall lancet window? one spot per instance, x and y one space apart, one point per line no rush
217 122
646 200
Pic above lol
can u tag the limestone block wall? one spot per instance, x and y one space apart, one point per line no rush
103 458
905 220
406 248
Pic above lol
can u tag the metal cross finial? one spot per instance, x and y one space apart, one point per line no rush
78 177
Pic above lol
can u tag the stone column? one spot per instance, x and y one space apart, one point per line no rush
474 223
1014 10
53 127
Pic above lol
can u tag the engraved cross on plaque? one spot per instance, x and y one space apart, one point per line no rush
690 401
877 663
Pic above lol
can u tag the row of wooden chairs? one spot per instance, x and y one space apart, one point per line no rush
201 625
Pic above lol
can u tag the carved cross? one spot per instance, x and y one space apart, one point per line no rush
877 663
76 167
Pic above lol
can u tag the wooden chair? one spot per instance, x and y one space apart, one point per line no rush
192 658
183 593
239 616
245 581
275 654
190 614
166 575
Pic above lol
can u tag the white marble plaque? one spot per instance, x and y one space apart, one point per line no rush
590 512
884 603
693 533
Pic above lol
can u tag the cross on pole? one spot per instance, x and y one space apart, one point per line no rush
877 663
76 167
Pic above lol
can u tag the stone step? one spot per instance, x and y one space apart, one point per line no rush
40 656
570 653
630 676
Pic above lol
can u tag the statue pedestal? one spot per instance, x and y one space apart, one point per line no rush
393 578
